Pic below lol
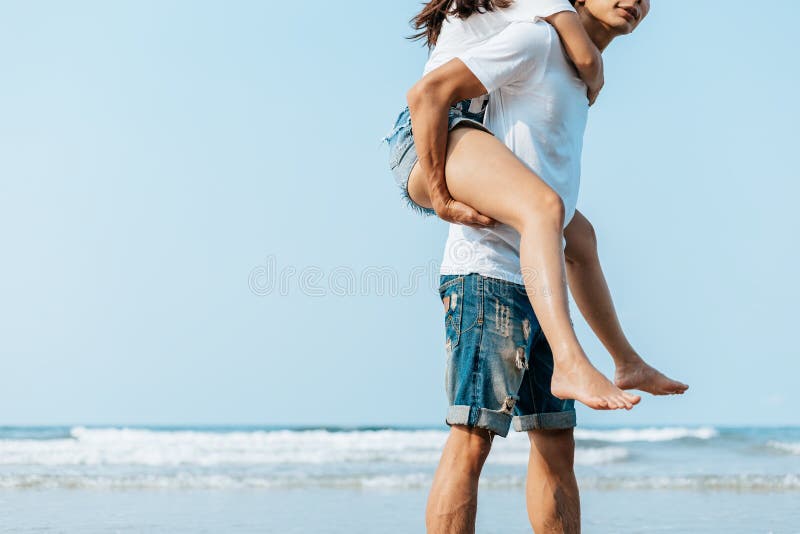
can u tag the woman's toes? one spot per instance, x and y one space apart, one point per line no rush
633 399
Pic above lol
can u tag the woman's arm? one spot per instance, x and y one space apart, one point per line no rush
581 50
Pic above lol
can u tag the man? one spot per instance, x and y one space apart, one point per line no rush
494 341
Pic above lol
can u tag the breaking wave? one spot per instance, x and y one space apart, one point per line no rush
789 448
135 447
626 435
200 458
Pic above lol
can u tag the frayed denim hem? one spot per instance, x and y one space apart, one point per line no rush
425 212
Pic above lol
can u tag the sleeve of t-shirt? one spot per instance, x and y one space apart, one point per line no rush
533 11
547 8
510 56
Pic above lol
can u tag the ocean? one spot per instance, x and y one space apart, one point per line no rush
337 480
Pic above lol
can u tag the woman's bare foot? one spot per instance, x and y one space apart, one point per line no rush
579 380
640 376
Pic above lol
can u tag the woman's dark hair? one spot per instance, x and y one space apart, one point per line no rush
429 22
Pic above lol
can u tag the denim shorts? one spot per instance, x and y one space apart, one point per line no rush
403 153
499 364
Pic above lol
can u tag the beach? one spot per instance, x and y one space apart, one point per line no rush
678 479
390 511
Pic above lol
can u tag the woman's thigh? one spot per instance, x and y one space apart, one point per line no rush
483 173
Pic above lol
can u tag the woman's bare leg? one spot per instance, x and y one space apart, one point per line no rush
590 291
484 174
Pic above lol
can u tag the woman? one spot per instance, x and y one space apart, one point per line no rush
482 173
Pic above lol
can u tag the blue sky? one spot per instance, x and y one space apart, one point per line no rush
159 160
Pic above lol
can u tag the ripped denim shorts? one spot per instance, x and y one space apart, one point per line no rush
499 364
403 153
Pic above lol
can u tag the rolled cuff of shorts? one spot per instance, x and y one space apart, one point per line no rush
497 422
546 421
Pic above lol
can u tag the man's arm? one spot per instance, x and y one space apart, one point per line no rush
590 289
429 102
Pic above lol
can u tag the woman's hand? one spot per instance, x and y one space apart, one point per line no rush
594 89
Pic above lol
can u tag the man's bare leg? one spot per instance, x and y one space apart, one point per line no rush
552 490
453 501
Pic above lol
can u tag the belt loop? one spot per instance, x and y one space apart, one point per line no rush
480 280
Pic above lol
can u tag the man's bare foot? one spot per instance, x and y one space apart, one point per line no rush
640 376
579 380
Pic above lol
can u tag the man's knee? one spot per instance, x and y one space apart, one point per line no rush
556 448
470 445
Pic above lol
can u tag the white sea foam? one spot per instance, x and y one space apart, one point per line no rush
411 481
750 482
583 456
787 447
134 447
176 448
626 435
600 455
121 458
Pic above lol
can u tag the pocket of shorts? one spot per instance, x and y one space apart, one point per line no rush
451 293
399 145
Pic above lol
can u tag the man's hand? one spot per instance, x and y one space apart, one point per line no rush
453 211
429 102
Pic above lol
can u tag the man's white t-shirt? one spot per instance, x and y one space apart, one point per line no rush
538 107
458 35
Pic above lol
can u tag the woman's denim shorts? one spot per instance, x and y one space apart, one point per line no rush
403 153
